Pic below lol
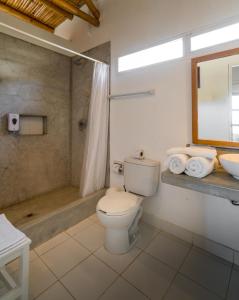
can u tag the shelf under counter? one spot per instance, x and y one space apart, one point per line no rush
219 183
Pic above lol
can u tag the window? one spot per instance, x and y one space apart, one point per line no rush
215 37
235 118
157 54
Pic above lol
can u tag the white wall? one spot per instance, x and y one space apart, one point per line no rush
159 122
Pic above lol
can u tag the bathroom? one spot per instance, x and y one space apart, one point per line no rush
153 123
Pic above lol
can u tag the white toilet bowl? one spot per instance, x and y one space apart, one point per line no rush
119 212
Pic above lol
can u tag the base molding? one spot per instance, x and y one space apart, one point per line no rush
200 241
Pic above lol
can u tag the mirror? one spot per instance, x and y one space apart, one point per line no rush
215 99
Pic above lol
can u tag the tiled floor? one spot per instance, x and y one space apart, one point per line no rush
75 265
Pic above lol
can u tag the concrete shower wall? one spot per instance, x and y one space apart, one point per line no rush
33 80
82 71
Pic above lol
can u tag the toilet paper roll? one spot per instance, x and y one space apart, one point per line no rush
139 154
117 168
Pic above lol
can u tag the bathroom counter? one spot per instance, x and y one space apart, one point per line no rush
219 183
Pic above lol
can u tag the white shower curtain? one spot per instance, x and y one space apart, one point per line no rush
95 154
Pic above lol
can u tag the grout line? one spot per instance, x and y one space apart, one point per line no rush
189 252
82 230
199 284
76 265
67 290
45 289
177 272
212 256
230 278
17 271
194 281
121 272
85 247
151 240
130 283
59 279
161 261
62 242
117 277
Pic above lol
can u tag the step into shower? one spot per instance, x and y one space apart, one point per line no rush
44 216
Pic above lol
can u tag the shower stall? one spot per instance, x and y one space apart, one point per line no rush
41 174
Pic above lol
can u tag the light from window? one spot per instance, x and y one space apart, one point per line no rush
157 54
215 37
235 102
235 117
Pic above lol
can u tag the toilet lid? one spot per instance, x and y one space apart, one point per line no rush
118 203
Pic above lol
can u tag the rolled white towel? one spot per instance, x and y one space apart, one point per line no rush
177 163
200 166
209 153
176 150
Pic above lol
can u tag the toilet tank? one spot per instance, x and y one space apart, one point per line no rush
141 176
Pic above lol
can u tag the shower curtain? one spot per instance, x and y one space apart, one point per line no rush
95 154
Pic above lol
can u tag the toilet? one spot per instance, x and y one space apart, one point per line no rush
120 210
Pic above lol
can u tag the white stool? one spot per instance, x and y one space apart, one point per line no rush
21 251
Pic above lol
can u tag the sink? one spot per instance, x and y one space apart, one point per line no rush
230 163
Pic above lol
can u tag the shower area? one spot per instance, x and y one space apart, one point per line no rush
44 176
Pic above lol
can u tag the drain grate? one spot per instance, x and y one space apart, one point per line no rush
29 215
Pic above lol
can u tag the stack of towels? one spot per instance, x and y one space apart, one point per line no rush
10 237
194 161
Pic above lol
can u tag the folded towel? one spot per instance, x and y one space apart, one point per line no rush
200 166
177 163
9 235
209 153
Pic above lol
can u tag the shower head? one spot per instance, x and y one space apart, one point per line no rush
77 61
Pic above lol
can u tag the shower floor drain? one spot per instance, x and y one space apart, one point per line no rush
29 215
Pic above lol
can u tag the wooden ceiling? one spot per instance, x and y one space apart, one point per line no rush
48 14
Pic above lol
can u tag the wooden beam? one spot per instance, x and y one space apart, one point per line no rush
76 11
92 8
57 9
7 9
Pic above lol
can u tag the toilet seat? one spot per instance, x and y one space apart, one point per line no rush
118 203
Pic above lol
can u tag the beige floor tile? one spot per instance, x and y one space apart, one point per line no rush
95 219
208 270
185 289
53 242
146 235
122 290
150 276
13 266
92 237
117 262
33 255
64 257
3 286
233 293
55 292
79 227
89 279
169 250
40 278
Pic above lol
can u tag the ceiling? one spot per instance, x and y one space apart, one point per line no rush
48 14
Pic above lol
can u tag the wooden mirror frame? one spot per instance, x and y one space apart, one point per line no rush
194 70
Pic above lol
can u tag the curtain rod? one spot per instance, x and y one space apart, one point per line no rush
50 43
143 93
